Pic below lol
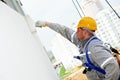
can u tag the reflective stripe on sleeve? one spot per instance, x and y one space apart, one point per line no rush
83 54
72 36
107 60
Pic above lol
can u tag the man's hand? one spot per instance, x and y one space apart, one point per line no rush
40 24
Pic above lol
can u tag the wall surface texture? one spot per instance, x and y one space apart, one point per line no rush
22 56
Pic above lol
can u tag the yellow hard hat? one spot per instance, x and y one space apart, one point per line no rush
87 22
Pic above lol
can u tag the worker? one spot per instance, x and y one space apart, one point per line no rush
99 63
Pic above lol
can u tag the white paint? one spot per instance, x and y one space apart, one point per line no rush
22 57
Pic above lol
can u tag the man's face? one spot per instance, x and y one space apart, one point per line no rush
80 34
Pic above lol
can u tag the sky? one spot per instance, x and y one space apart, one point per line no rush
57 11
60 11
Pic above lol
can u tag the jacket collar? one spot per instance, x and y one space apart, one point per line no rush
83 43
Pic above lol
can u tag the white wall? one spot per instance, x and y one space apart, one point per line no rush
22 57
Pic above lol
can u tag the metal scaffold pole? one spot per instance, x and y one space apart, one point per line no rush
113 9
77 8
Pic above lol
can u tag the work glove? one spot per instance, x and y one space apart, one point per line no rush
40 24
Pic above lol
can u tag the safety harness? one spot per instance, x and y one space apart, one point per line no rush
89 64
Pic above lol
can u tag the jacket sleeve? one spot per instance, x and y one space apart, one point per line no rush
66 32
103 58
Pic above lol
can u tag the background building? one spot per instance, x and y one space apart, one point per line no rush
64 51
108 21
14 4
91 7
109 26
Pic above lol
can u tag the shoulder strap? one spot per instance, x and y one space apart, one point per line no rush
90 64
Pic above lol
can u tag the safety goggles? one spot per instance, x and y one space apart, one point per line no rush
92 32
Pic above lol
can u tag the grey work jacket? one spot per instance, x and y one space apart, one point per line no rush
98 54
